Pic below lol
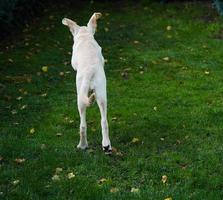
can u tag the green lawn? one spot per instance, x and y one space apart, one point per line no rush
165 106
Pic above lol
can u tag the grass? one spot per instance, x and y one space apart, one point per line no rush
173 106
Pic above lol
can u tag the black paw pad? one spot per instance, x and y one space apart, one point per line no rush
107 149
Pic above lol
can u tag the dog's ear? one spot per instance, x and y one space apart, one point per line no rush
71 24
92 24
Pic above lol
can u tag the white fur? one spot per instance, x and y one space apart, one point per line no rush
88 61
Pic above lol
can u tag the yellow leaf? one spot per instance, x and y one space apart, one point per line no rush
168 28
168 198
134 190
207 72
32 130
44 68
166 58
135 140
70 175
164 179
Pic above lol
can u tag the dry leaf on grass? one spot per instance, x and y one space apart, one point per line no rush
114 190
15 182
44 68
102 180
135 140
166 58
58 170
168 198
168 28
55 178
134 190
20 160
32 130
164 179
70 175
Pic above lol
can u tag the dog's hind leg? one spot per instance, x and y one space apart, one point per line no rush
102 104
83 144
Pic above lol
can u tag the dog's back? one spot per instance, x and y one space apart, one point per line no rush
87 52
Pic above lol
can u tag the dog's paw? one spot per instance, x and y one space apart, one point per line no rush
107 149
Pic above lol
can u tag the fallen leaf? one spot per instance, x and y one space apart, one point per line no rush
164 179
18 98
114 118
135 140
168 28
168 198
55 178
102 180
114 150
58 170
10 60
59 134
23 107
136 42
166 58
43 95
15 182
106 29
114 190
135 190
32 130
155 108
44 68
207 72
61 73
20 160
14 112
70 175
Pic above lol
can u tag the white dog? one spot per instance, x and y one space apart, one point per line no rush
88 61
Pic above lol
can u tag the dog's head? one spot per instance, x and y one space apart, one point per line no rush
90 28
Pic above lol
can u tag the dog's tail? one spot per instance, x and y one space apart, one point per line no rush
85 85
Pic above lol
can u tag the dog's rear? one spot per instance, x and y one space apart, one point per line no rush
87 59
